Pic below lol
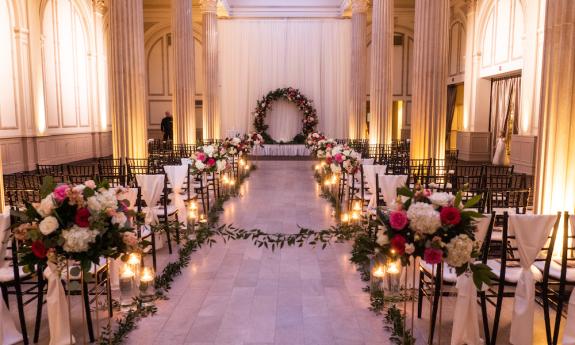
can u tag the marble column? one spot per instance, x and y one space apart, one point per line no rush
556 154
127 79
211 116
184 97
381 101
358 82
429 92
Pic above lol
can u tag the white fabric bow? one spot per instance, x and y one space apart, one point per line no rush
531 232
569 331
57 305
389 185
177 175
151 186
9 334
369 172
465 325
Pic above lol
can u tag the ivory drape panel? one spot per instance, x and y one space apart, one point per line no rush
257 56
505 102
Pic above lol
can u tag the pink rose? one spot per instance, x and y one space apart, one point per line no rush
338 158
427 192
90 184
200 156
432 256
61 192
398 220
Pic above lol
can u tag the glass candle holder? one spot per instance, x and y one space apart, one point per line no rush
393 275
146 288
134 262
377 275
127 283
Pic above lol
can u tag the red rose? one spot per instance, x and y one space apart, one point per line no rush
398 244
39 249
398 220
450 215
211 162
432 256
82 217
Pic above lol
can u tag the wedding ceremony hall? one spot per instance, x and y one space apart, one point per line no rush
287 172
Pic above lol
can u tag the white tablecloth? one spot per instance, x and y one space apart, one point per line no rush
281 150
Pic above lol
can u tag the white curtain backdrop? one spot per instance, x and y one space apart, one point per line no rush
257 56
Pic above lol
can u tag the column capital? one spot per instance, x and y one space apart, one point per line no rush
100 6
209 6
469 6
358 6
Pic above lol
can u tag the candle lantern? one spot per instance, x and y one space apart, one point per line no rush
393 274
127 283
147 286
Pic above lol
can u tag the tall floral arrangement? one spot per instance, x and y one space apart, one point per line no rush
313 139
342 157
309 120
209 158
323 147
78 222
434 226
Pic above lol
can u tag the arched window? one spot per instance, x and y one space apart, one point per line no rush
65 65
8 118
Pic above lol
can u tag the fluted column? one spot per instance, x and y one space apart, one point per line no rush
127 79
382 28
183 100
211 116
556 153
429 93
358 92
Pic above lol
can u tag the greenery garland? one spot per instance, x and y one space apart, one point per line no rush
310 119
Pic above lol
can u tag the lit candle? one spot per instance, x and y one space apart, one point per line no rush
355 216
379 272
134 261
317 167
126 287
345 218
327 183
392 268
147 286
203 218
357 206
241 162
247 167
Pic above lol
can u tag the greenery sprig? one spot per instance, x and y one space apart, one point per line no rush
395 321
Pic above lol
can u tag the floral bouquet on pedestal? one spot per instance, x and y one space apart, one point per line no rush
235 146
436 227
322 148
312 140
254 139
82 223
209 159
343 157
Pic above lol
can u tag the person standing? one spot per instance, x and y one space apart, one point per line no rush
167 126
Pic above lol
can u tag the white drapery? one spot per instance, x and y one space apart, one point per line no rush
257 56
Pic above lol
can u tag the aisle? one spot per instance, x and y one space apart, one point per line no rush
236 293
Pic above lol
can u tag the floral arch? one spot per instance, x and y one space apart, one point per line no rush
294 96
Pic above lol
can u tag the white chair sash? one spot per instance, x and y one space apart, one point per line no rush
531 232
9 334
151 187
465 325
369 172
367 161
389 184
177 176
57 305
569 330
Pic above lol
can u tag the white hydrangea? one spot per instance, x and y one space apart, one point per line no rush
200 165
77 239
441 199
107 199
459 250
209 150
336 150
382 238
46 206
93 204
48 225
423 218
119 218
236 140
221 165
